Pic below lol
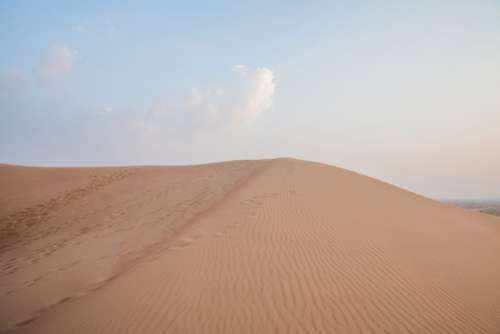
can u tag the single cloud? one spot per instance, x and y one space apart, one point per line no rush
235 107
259 94
59 61
205 115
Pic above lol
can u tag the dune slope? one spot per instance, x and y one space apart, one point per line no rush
239 247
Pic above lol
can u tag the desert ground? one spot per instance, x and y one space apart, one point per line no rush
267 246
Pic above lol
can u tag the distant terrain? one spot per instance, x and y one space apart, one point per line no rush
491 207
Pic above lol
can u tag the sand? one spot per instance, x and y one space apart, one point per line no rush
270 246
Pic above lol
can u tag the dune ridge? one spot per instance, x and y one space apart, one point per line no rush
279 245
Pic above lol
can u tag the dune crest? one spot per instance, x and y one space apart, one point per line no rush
264 246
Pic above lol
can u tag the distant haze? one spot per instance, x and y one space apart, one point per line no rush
407 91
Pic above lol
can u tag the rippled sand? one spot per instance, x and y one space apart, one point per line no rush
270 246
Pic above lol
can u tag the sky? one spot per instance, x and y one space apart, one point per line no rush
404 91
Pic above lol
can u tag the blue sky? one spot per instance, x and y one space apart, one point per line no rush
403 91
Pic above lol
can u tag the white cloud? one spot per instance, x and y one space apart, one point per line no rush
205 117
233 107
259 94
59 61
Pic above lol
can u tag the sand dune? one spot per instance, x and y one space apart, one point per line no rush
265 246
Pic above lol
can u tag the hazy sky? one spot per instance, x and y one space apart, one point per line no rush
404 91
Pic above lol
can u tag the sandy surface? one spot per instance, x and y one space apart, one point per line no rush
269 246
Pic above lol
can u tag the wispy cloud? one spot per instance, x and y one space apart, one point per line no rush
206 115
59 61
225 107
218 108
